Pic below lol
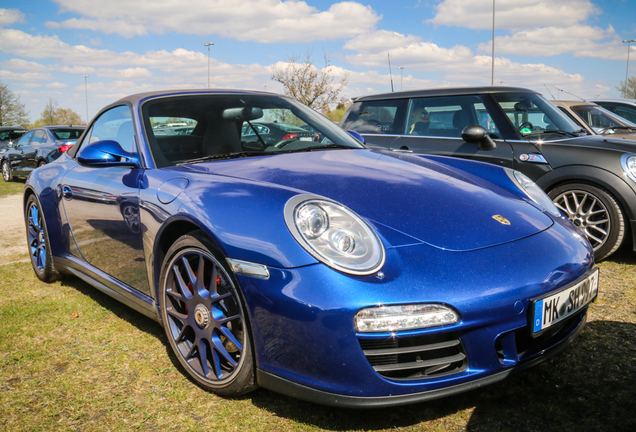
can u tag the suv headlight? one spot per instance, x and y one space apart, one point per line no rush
533 191
334 235
628 162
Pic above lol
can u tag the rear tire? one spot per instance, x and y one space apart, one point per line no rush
204 318
596 212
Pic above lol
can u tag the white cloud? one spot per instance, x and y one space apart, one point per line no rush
56 85
581 40
266 21
10 16
512 14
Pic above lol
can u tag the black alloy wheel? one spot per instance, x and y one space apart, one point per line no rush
204 317
596 212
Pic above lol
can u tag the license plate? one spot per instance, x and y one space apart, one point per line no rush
558 306
306 138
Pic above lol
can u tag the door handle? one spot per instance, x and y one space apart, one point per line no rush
67 192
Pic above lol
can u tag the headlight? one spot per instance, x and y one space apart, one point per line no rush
334 235
404 317
628 162
533 191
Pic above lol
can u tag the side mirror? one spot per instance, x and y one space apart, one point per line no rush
356 135
105 153
477 134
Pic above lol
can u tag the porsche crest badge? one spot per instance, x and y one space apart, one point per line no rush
501 219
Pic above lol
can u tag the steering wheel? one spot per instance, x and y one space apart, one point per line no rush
524 125
284 142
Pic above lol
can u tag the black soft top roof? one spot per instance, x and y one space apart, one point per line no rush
450 91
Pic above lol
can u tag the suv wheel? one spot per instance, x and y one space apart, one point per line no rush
596 212
6 171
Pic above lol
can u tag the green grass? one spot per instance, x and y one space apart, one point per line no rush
72 358
13 187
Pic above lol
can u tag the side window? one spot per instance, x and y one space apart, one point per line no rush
627 113
116 125
377 117
25 138
447 116
39 137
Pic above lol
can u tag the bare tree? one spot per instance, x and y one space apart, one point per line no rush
316 88
12 112
628 90
54 115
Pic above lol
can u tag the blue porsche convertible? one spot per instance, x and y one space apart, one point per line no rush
311 266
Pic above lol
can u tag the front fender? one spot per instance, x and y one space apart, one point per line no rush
623 189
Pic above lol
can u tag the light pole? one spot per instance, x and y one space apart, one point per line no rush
627 71
208 45
401 68
86 92
492 79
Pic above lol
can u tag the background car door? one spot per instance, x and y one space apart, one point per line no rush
30 151
434 126
15 155
102 205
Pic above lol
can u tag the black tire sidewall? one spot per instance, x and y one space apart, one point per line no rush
617 220
243 381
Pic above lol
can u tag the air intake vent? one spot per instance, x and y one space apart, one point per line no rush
415 357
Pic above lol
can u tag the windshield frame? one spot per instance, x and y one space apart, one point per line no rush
209 107
537 104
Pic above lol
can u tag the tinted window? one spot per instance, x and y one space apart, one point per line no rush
67 134
25 138
377 117
447 116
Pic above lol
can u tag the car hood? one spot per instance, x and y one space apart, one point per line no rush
624 143
423 198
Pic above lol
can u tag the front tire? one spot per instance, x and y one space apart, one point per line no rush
596 212
204 318
38 241
7 175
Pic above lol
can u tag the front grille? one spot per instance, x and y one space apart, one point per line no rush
415 357
519 344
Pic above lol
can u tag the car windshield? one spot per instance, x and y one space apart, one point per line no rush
602 120
221 126
534 117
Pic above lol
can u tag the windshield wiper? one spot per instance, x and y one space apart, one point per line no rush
236 155
321 147
602 131
552 131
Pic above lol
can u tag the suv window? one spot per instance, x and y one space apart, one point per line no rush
447 116
377 117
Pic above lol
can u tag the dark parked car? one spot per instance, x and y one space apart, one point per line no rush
9 135
319 269
625 108
597 120
37 147
592 179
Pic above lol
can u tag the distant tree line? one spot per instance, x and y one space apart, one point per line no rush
14 113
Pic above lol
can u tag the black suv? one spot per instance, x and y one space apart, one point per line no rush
592 179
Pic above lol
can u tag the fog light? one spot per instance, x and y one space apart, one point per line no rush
406 317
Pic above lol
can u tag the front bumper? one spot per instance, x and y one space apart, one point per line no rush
306 345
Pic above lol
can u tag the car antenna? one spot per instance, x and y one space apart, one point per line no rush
546 87
570 93
390 73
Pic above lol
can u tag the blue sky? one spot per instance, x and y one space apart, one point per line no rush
129 46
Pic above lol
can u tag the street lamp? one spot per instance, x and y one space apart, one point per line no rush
492 79
86 92
208 45
627 72
401 68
